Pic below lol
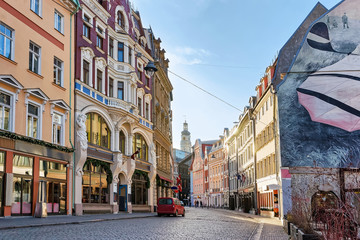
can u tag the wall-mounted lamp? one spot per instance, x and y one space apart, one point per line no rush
150 68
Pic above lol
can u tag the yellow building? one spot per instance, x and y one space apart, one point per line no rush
36 75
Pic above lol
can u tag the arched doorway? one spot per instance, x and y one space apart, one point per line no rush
122 193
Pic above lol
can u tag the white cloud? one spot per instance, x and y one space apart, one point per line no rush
187 55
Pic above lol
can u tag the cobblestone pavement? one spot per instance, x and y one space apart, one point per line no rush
198 224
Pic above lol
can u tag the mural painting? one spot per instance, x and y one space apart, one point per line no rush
319 99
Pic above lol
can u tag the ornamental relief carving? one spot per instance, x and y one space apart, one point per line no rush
100 63
87 53
96 10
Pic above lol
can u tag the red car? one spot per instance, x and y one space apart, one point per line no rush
170 206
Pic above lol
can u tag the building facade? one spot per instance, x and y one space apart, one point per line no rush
115 155
162 118
36 133
216 170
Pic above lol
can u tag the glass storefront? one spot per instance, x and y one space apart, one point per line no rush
95 185
139 191
97 130
139 144
53 189
22 185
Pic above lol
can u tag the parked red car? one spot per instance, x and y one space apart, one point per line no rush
170 206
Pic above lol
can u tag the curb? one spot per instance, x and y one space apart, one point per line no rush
74 222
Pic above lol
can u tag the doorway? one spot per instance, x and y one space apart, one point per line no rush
22 196
122 197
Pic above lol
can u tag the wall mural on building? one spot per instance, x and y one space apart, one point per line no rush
319 100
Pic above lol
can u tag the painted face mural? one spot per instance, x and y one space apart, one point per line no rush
319 100
331 95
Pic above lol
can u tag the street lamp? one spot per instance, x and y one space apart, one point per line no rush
150 68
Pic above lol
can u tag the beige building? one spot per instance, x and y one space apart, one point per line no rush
162 116
266 166
36 129
216 171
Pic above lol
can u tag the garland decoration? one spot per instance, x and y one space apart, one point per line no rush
145 175
34 141
105 166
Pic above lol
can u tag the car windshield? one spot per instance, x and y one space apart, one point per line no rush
165 201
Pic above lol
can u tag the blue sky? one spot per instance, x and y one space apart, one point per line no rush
223 46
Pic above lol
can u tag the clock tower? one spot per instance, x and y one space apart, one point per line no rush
185 143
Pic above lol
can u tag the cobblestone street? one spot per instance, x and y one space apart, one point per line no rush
198 224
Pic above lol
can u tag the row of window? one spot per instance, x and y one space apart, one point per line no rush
7 50
266 167
163 162
36 7
265 108
265 136
33 119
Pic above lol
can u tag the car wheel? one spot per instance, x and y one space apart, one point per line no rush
183 214
159 214
176 213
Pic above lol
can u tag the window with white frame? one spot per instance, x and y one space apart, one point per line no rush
100 37
6 41
33 120
5 111
86 72
86 27
59 22
35 6
58 129
34 58
99 80
58 71
147 111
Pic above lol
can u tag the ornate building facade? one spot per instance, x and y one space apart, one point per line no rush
35 106
115 156
162 118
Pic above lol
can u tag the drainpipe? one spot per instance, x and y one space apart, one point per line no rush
70 119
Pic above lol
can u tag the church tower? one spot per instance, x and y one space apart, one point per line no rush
185 143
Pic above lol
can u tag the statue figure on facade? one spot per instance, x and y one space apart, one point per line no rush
153 154
81 131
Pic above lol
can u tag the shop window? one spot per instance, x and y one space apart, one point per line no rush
22 185
95 185
139 190
52 187
98 132
140 144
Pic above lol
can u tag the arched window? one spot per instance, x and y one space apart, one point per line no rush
98 132
122 142
120 19
322 201
139 143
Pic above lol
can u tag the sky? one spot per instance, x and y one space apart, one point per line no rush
222 46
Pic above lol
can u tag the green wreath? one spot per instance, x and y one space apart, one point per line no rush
145 175
105 166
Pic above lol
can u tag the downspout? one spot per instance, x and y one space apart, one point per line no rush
70 101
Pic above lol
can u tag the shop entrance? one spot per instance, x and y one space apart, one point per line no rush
123 197
54 194
22 192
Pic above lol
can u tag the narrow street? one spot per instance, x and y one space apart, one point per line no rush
197 224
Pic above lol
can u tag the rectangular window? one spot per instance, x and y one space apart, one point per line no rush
120 52
130 56
99 80
99 41
58 128
6 41
5 108
111 87
86 71
86 27
147 111
120 91
58 72
59 22
111 47
139 106
33 121
34 58
35 6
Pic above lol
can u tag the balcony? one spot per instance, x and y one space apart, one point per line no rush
112 102
121 67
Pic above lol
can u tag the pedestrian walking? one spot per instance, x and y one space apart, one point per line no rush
201 204
345 21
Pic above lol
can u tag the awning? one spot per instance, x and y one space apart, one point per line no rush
163 178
